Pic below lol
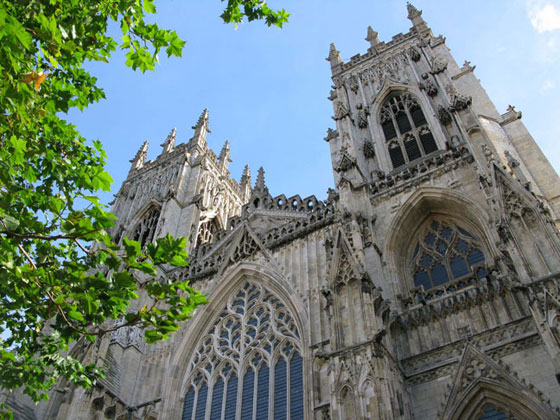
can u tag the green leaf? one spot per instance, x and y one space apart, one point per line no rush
102 181
10 223
149 6
76 315
19 148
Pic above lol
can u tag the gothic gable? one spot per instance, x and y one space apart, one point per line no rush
481 382
243 245
344 267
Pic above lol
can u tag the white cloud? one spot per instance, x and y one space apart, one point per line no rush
544 17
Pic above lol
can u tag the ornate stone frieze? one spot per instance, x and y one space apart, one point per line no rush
307 215
421 172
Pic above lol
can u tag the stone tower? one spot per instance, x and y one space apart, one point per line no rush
426 286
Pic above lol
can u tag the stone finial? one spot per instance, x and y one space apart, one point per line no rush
140 158
334 57
201 129
169 143
260 185
372 37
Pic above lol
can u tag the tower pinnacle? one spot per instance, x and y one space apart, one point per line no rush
169 143
246 183
224 158
260 185
334 57
372 37
246 176
200 131
415 17
140 158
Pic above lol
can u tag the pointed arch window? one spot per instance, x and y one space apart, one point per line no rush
446 253
146 227
251 360
407 134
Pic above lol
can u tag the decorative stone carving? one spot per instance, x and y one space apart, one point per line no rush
369 149
353 84
438 66
414 54
458 101
363 113
331 134
340 111
428 86
444 115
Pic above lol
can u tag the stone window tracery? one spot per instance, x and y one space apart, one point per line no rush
206 231
249 362
406 130
146 227
446 253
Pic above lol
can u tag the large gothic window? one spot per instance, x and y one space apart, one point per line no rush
249 364
146 227
406 130
446 253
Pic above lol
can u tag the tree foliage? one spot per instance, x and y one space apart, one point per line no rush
62 278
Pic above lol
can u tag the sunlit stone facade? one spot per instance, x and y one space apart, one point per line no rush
425 286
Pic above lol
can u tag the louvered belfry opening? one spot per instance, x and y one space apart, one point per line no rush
146 227
406 130
249 362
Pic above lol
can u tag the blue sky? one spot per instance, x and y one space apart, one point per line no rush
267 88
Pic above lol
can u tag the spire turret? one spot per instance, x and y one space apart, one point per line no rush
200 131
169 143
334 57
140 158
372 37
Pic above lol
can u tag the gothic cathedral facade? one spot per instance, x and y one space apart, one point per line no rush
425 286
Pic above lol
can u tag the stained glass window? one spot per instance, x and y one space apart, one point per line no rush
249 362
406 130
491 413
445 253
